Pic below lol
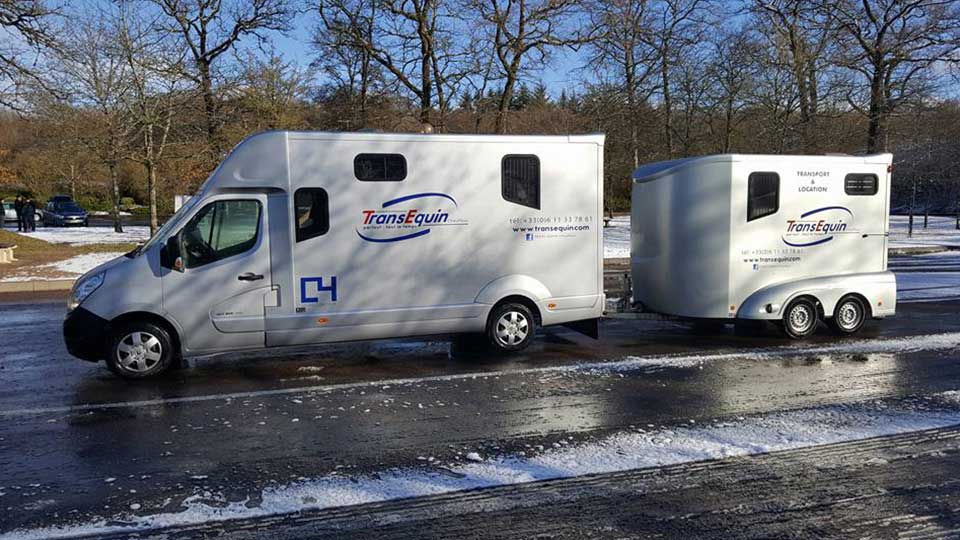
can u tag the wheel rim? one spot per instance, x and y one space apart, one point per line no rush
849 315
801 318
512 328
139 352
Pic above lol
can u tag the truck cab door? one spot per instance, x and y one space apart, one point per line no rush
217 295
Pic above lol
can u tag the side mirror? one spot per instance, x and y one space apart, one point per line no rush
170 254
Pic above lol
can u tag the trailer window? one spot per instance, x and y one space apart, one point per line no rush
221 229
861 184
380 167
312 208
763 197
520 180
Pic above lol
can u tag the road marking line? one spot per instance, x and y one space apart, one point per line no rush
928 342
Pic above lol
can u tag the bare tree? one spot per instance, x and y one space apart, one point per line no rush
25 25
894 47
528 30
349 64
730 76
96 80
621 52
274 90
209 29
156 93
411 40
801 38
677 24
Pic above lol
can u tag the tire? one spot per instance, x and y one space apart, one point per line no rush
140 350
510 327
800 319
848 316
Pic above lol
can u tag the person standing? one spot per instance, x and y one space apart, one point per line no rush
18 208
29 216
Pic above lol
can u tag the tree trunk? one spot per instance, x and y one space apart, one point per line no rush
500 127
209 107
114 180
667 108
877 115
152 189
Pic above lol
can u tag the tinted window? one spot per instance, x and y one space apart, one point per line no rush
312 209
861 184
219 230
380 167
763 197
520 180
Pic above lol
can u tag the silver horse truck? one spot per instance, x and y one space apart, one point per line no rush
300 238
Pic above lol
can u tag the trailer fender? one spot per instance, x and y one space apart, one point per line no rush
513 285
878 288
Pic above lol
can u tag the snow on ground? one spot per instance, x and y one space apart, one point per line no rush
91 235
616 238
941 231
627 450
66 269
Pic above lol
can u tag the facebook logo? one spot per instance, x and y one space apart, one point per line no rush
529 236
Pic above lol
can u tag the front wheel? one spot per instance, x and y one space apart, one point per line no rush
848 316
511 327
140 350
800 318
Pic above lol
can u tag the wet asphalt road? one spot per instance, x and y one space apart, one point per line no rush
77 444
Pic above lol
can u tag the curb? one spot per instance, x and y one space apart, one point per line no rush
37 286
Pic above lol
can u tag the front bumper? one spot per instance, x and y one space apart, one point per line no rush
85 334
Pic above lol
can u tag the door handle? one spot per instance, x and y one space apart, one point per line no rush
249 276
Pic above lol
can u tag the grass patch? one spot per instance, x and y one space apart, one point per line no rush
32 253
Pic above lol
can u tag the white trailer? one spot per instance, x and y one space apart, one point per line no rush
792 238
301 238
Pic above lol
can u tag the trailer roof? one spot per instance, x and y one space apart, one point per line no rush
655 170
595 138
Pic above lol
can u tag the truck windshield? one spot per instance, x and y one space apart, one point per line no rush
171 223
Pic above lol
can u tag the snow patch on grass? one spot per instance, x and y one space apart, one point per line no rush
65 269
91 235
620 452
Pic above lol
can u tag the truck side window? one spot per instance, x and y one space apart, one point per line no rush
380 167
221 229
861 184
520 180
312 207
763 194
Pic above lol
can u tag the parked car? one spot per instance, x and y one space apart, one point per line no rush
65 213
10 215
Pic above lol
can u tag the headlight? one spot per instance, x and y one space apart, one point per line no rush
82 289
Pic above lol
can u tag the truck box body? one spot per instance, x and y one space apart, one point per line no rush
347 236
730 236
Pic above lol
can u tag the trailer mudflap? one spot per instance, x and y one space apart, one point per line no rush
587 327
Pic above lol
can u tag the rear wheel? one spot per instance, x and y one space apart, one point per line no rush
139 350
800 318
848 316
511 327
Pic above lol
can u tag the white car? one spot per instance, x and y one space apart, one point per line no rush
10 214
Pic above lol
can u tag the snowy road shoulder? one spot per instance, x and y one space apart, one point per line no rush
638 448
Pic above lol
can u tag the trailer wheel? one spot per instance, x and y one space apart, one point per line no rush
139 350
800 318
848 316
511 327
